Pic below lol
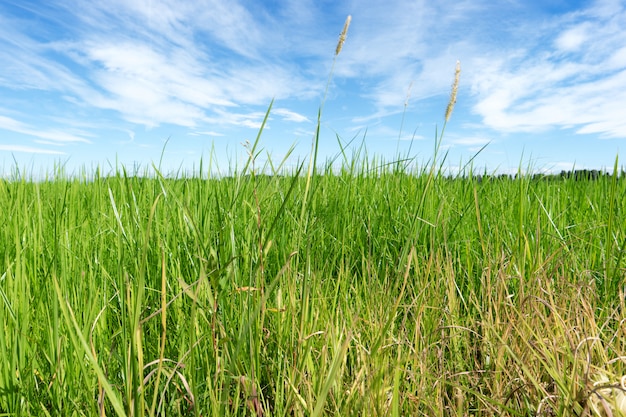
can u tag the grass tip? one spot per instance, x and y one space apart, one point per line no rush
344 33
455 89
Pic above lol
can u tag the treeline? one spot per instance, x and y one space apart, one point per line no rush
577 175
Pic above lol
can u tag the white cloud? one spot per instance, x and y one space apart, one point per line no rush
535 91
573 38
471 141
252 120
29 149
158 61
209 133
149 60
289 115
57 136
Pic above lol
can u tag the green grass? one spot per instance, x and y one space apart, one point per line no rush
385 292
371 290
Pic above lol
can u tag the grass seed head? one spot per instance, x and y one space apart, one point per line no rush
344 33
455 89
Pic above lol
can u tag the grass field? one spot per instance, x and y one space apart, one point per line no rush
370 291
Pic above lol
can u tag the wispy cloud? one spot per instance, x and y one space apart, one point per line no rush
157 62
162 62
252 120
471 141
289 115
29 149
209 133
578 81
56 136
388 60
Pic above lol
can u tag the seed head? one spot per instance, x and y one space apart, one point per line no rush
455 89
344 33
408 95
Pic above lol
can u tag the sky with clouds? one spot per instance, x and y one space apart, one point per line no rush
88 84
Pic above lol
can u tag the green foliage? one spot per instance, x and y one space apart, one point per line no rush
406 293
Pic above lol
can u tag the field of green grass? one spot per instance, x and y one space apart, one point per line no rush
375 289
370 291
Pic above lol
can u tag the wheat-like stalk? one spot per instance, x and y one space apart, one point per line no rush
455 89
344 33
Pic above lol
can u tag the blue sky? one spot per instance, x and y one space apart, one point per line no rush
133 82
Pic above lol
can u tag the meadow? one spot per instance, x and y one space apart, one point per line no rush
369 291
354 287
